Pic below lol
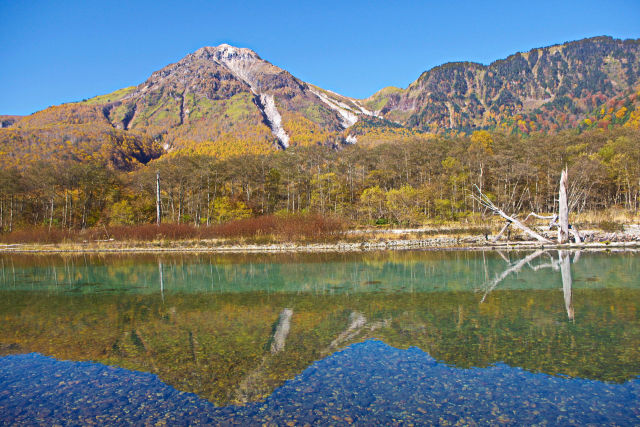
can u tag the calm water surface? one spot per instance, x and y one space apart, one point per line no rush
391 338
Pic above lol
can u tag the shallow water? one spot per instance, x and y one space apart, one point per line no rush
408 337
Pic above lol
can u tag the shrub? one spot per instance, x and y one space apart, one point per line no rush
276 228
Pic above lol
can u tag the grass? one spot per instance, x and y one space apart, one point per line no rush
610 226
239 106
111 97
611 220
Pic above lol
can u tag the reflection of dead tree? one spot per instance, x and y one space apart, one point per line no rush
254 386
560 221
282 330
567 282
160 269
357 324
504 257
563 263
553 264
512 269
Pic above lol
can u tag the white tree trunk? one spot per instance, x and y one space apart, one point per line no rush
522 227
563 210
486 202
158 218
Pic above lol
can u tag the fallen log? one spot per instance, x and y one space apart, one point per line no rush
487 203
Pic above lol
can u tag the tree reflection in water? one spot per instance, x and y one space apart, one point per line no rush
563 263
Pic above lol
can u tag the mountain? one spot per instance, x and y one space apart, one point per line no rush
547 88
230 94
226 100
218 100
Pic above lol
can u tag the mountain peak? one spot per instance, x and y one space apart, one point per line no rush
227 52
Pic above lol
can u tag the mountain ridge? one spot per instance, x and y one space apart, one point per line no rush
225 100
475 89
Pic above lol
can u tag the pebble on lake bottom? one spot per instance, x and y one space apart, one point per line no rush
367 383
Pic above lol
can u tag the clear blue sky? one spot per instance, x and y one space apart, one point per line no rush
59 51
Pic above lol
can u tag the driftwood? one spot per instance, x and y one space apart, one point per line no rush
553 218
487 203
576 235
506 226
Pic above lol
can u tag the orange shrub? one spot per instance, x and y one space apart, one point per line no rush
287 228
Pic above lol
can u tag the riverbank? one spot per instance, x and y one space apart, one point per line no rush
405 239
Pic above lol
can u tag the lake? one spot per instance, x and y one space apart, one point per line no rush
407 337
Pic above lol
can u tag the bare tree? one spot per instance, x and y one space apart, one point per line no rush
561 220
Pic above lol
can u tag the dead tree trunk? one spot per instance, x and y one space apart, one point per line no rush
563 210
506 226
487 203
561 220
158 217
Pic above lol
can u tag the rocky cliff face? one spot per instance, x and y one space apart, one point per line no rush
6 121
553 87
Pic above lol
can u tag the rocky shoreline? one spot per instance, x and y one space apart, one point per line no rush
629 238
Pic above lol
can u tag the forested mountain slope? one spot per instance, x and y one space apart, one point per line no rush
544 89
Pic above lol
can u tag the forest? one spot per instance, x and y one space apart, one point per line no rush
408 183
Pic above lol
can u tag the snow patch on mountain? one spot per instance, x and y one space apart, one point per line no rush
357 103
275 119
367 112
347 116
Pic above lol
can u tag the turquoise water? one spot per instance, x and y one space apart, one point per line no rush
245 333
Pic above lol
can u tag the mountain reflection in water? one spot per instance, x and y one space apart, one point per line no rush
233 329
367 383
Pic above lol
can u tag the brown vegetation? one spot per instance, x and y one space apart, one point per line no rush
266 228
